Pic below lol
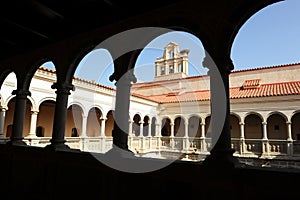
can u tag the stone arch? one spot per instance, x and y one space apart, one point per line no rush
153 126
74 120
109 123
179 126
166 126
235 125
253 126
93 126
276 126
146 121
194 129
5 74
136 124
46 115
207 126
295 120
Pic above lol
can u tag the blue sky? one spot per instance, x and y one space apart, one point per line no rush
270 37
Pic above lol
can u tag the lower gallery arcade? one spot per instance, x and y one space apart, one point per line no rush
262 125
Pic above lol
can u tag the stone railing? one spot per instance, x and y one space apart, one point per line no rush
243 147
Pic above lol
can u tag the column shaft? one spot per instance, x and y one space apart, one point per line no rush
120 131
19 116
2 121
33 121
60 116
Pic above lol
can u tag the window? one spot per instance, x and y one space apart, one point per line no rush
74 132
171 54
180 68
171 69
163 71
40 131
276 127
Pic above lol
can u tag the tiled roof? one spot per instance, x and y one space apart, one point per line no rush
264 90
251 83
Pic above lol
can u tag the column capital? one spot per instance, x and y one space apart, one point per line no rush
4 108
103 118
63 87
35 112
264 123
241 123
172 124
223 64
288 122
202 123
21 93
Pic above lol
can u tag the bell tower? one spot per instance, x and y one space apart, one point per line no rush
173 64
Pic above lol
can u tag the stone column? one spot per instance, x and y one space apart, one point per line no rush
172 143
202 130
202 138
289 131
2 121
186 136
19 116
242 138
83 133
130 127
289 139
102 135
265 134
221 154
265 143
149 129
120 130
102 128
60 116
172 129
84 124
33 121
141 128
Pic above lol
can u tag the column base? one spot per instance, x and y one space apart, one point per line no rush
116 151
59 147
16 142
221 159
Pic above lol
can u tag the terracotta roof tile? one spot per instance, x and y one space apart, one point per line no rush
265 90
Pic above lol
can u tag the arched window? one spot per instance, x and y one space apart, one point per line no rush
40 131
9 130
74 132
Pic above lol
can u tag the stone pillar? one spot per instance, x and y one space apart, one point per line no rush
102 128
172 143
202 130
186 136
2 121
149 129
289 131
83 133
265 134
130 127
289 139
60 116
221 154
33 121
172 129
84 124
141 128
120 130
242 138
265 143
202 138
19 116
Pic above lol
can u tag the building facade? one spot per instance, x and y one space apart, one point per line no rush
170 115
